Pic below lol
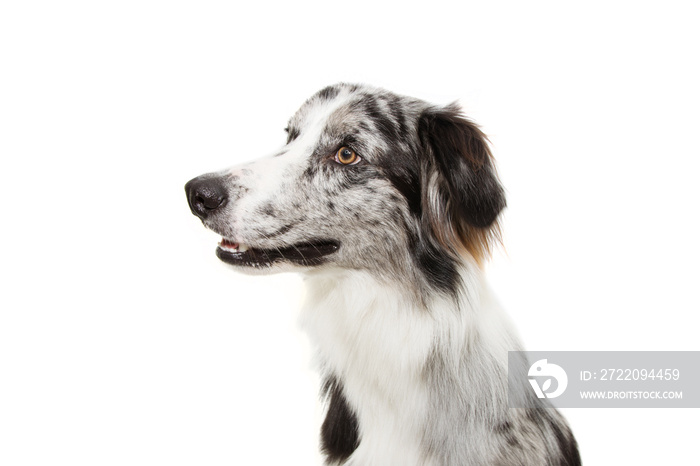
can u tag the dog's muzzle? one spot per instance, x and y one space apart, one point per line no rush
206 194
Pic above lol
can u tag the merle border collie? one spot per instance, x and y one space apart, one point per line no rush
389 206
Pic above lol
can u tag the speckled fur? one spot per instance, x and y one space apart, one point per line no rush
409 338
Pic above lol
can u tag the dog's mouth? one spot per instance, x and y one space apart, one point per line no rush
306 253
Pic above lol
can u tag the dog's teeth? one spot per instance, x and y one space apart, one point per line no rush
242 248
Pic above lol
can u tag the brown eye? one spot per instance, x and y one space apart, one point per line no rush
346 156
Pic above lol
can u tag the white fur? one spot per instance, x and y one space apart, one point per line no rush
377 339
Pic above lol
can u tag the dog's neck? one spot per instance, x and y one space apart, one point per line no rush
390 351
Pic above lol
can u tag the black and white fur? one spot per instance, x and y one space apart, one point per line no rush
410 340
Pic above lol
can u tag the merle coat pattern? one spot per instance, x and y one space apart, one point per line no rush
388 206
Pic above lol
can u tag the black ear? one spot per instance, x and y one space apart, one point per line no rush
460 153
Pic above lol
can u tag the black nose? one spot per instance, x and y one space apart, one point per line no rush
205 195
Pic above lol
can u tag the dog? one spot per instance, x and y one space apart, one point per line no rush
389 207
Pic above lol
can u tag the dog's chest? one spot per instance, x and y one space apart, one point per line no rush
375 344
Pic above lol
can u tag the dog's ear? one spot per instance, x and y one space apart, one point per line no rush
463 189
461 155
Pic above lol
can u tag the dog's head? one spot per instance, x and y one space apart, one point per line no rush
367 180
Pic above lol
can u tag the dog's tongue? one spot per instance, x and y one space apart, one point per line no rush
228 244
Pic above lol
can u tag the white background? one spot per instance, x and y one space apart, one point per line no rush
123 340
